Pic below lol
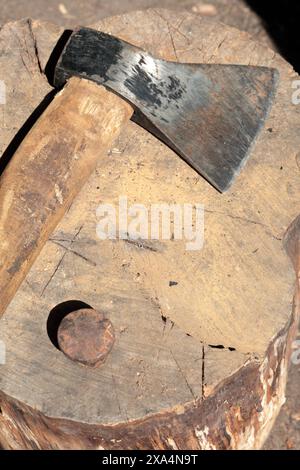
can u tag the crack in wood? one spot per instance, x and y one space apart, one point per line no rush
35 47
184 376
76 253
244 219
60 261
203 374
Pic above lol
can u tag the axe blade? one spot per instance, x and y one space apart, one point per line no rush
209 114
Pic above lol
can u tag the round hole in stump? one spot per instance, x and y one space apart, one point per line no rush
82 333
58 313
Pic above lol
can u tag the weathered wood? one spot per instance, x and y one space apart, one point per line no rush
48 169
22 61
159 387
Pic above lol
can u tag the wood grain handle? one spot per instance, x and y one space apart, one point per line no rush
48 170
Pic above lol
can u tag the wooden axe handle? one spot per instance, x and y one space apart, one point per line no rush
48 170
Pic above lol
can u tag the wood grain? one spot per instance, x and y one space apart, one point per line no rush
197 364
48 170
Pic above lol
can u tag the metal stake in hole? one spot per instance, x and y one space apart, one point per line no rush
85 336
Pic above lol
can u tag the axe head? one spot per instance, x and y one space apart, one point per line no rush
209 114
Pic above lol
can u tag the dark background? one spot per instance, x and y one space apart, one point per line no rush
281 20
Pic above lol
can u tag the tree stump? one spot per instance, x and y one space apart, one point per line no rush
202 338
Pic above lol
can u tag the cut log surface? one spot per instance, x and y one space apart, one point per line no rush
202 338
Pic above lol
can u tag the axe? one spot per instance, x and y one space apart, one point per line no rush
210 115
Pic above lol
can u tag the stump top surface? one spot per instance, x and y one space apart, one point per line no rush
166 304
